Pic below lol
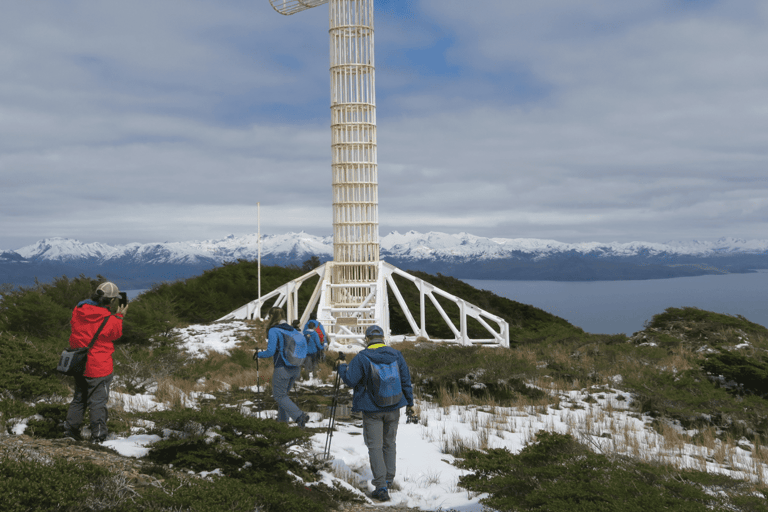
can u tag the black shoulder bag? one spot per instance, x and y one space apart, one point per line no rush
73 360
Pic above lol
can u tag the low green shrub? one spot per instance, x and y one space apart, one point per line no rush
223 289
44 310
228 494
701 323
223 438
751 373
150 317
496 373
250 452
138 367
27 485
559 474
28 365
32 485
48 427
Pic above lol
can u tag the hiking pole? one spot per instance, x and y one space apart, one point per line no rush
331 420
258 381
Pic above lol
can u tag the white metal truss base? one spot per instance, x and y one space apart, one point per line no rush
346 324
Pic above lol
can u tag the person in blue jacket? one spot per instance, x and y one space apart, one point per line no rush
323 336
379 423
314 348
283 376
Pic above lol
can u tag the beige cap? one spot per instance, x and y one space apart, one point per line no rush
109 289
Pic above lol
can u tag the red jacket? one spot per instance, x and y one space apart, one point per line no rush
86 319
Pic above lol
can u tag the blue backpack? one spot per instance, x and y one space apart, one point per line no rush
384 384
294 348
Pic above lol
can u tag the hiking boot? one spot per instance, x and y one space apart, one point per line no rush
380 494
72 436
302 420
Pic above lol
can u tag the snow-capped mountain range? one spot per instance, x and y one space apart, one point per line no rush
410 245
462 255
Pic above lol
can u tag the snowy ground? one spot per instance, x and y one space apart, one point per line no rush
426 477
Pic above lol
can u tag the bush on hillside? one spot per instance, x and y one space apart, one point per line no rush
28 366
558 474
250 451
221 290
224 438
694 400
29 485
749 373
44 310
482 372
699 325
151 317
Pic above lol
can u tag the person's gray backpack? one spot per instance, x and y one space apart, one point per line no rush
384 383
294 347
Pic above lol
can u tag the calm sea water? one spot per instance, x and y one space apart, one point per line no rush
610 307
132 294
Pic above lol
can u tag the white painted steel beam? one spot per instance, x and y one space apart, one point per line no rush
289 7
344 324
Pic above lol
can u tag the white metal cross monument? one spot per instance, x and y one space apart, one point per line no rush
352 290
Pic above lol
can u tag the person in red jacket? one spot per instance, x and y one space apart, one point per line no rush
92 388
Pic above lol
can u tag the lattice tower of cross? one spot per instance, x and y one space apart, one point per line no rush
353 142
352 291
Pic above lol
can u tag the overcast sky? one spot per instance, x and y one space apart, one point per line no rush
573 120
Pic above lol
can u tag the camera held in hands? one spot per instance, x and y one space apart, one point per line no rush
123 299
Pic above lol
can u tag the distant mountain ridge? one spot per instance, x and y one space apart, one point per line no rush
461 255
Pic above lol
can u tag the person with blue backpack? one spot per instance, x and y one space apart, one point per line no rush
314 348
382 386
288 348
318 325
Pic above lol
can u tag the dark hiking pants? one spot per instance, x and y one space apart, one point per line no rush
93 394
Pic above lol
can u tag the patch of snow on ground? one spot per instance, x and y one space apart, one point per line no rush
219 337
132 446
134 403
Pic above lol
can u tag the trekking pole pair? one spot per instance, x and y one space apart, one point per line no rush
332 415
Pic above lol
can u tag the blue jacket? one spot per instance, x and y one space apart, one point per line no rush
313 341
275 344
356 374
322 329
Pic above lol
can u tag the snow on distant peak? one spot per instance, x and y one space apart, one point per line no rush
63 249
410 245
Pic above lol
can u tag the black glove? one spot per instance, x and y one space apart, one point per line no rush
342 357
409 411
256 355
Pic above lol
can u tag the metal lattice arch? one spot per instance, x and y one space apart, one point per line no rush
377 305
352 292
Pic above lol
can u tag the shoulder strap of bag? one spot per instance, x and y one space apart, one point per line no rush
106 319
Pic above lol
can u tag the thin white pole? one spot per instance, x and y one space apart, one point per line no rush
258 223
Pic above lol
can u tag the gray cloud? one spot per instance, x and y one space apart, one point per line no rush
578 121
